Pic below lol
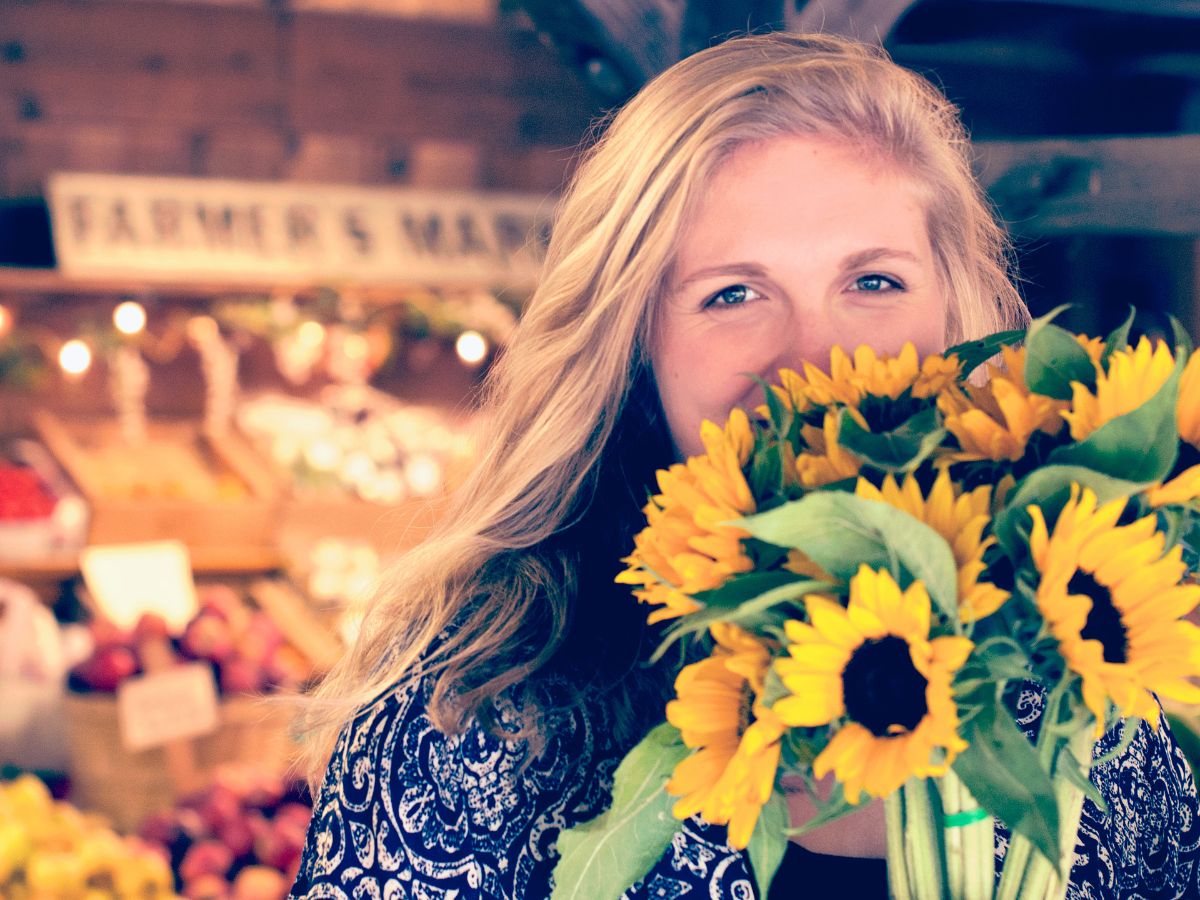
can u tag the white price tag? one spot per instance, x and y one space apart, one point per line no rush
177 703
126 580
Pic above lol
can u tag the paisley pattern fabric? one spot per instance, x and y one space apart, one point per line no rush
407 812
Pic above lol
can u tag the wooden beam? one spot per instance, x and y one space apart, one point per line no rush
1129 185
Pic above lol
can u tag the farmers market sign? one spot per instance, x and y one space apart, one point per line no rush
207 230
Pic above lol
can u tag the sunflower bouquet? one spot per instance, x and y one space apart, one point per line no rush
861 580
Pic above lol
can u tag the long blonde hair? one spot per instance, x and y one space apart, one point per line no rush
483 590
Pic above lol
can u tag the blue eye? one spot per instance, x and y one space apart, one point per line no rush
733 295
876 284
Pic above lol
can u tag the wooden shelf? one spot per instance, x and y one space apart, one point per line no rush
217 561
15 282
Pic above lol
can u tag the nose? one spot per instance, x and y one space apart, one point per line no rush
808 337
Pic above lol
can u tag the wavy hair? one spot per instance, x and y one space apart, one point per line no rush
517 578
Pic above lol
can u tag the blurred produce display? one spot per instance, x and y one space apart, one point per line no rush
355 442
245 646
49 850
239 839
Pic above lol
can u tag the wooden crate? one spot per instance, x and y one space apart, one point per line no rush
127 786
241 522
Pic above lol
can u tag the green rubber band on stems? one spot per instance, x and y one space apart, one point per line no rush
965 818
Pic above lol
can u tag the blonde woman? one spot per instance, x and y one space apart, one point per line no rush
754 205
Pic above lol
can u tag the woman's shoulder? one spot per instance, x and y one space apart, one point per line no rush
403 802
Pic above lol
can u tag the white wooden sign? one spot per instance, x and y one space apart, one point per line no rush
176 703
217 231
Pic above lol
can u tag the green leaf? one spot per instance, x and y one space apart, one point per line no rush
749 612
1001 770
745 587
1054 359
900 450
1141 445
973 354
1004 659
840 532
604 857
1183 340
766 470
769 842
1118 338
1049 487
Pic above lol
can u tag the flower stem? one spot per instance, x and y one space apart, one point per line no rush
923 855
969 841
897 868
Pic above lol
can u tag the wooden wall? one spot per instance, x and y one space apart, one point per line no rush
249 92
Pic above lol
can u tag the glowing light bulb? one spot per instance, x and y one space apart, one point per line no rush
129 317
355 347
6 321
471 347
75 357
311 334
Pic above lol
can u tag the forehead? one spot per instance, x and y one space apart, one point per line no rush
799 193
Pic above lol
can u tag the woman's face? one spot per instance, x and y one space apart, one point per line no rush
799 244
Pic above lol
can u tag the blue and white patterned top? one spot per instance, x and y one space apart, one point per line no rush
407 813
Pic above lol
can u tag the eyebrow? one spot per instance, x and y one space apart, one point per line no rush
753 270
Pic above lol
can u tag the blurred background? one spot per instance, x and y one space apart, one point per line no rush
256 256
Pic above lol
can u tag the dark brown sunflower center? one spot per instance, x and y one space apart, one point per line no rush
1103 622
883 414
882 687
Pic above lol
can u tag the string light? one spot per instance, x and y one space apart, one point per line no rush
75 357
471 347
6 321
355 347
311 334
129 317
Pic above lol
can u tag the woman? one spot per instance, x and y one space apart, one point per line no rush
754 205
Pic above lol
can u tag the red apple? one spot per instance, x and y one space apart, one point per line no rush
208 637
108 634
161 827
219 806
267 790
205 858
260 883
277 848
241 676
260 638
206 887
108 667
296 814
237 836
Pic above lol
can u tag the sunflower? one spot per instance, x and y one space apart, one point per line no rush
995 420
825 461
792 391
1189 402
685 548
1183 488
960 518
874 666
1133 377
718 712
1114 602
878 375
